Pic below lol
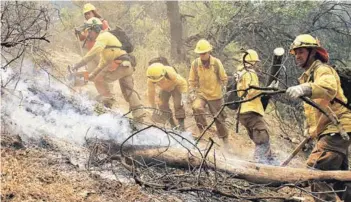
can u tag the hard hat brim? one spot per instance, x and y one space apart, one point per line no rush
321 50
202 51
156 80
87 11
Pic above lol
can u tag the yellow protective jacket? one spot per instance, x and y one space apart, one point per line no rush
171 81
106 45
248 77
325 87
208 81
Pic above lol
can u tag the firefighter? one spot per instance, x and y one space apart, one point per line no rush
89 11
114 64
171 84
207 80
321 83
251 113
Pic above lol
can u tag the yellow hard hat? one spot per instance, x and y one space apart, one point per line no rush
88 7
304 41
250 56
93 23
308 41
156 72
203 46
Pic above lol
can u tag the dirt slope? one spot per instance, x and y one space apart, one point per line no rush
241 145
36 173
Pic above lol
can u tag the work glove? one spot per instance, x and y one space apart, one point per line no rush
224 90
274 84
158 112
70 76
192 96
236 77
91 77
299 90
184 99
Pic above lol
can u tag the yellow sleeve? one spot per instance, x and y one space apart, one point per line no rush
325 84
179 81
96 49
99 46
222 74
193 80
151 92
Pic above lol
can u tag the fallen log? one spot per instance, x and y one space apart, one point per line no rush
252 172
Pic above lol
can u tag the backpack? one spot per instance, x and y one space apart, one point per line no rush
345 81
231 94
163 61
123 38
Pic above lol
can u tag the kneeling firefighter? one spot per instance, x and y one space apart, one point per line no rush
115 64
171 84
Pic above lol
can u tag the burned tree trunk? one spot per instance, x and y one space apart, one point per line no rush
256 173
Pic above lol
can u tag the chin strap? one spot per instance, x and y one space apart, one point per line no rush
308 57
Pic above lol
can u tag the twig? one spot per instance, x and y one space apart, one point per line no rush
204 159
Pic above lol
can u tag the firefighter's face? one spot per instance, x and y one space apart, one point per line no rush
88 15
301 56
93 35
205 56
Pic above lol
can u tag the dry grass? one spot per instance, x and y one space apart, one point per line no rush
42 175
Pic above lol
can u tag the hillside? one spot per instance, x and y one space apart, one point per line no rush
59 143
40 158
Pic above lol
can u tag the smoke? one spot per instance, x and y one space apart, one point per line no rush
41 106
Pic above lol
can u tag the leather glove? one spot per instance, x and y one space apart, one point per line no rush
306 132
299 90
192 96
274 84
78 65
224 90
236 77
158 112
184 99
91 77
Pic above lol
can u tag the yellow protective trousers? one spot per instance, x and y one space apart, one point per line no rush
199 114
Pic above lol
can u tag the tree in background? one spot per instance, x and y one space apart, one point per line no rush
24 25
176 30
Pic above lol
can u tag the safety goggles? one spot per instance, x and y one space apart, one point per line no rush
302 44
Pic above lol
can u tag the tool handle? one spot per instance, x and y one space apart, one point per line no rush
297 149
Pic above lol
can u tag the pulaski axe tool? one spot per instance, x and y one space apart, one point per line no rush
296 150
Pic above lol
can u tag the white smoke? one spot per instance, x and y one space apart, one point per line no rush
40 105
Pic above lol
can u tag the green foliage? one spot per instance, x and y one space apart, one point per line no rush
70 17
